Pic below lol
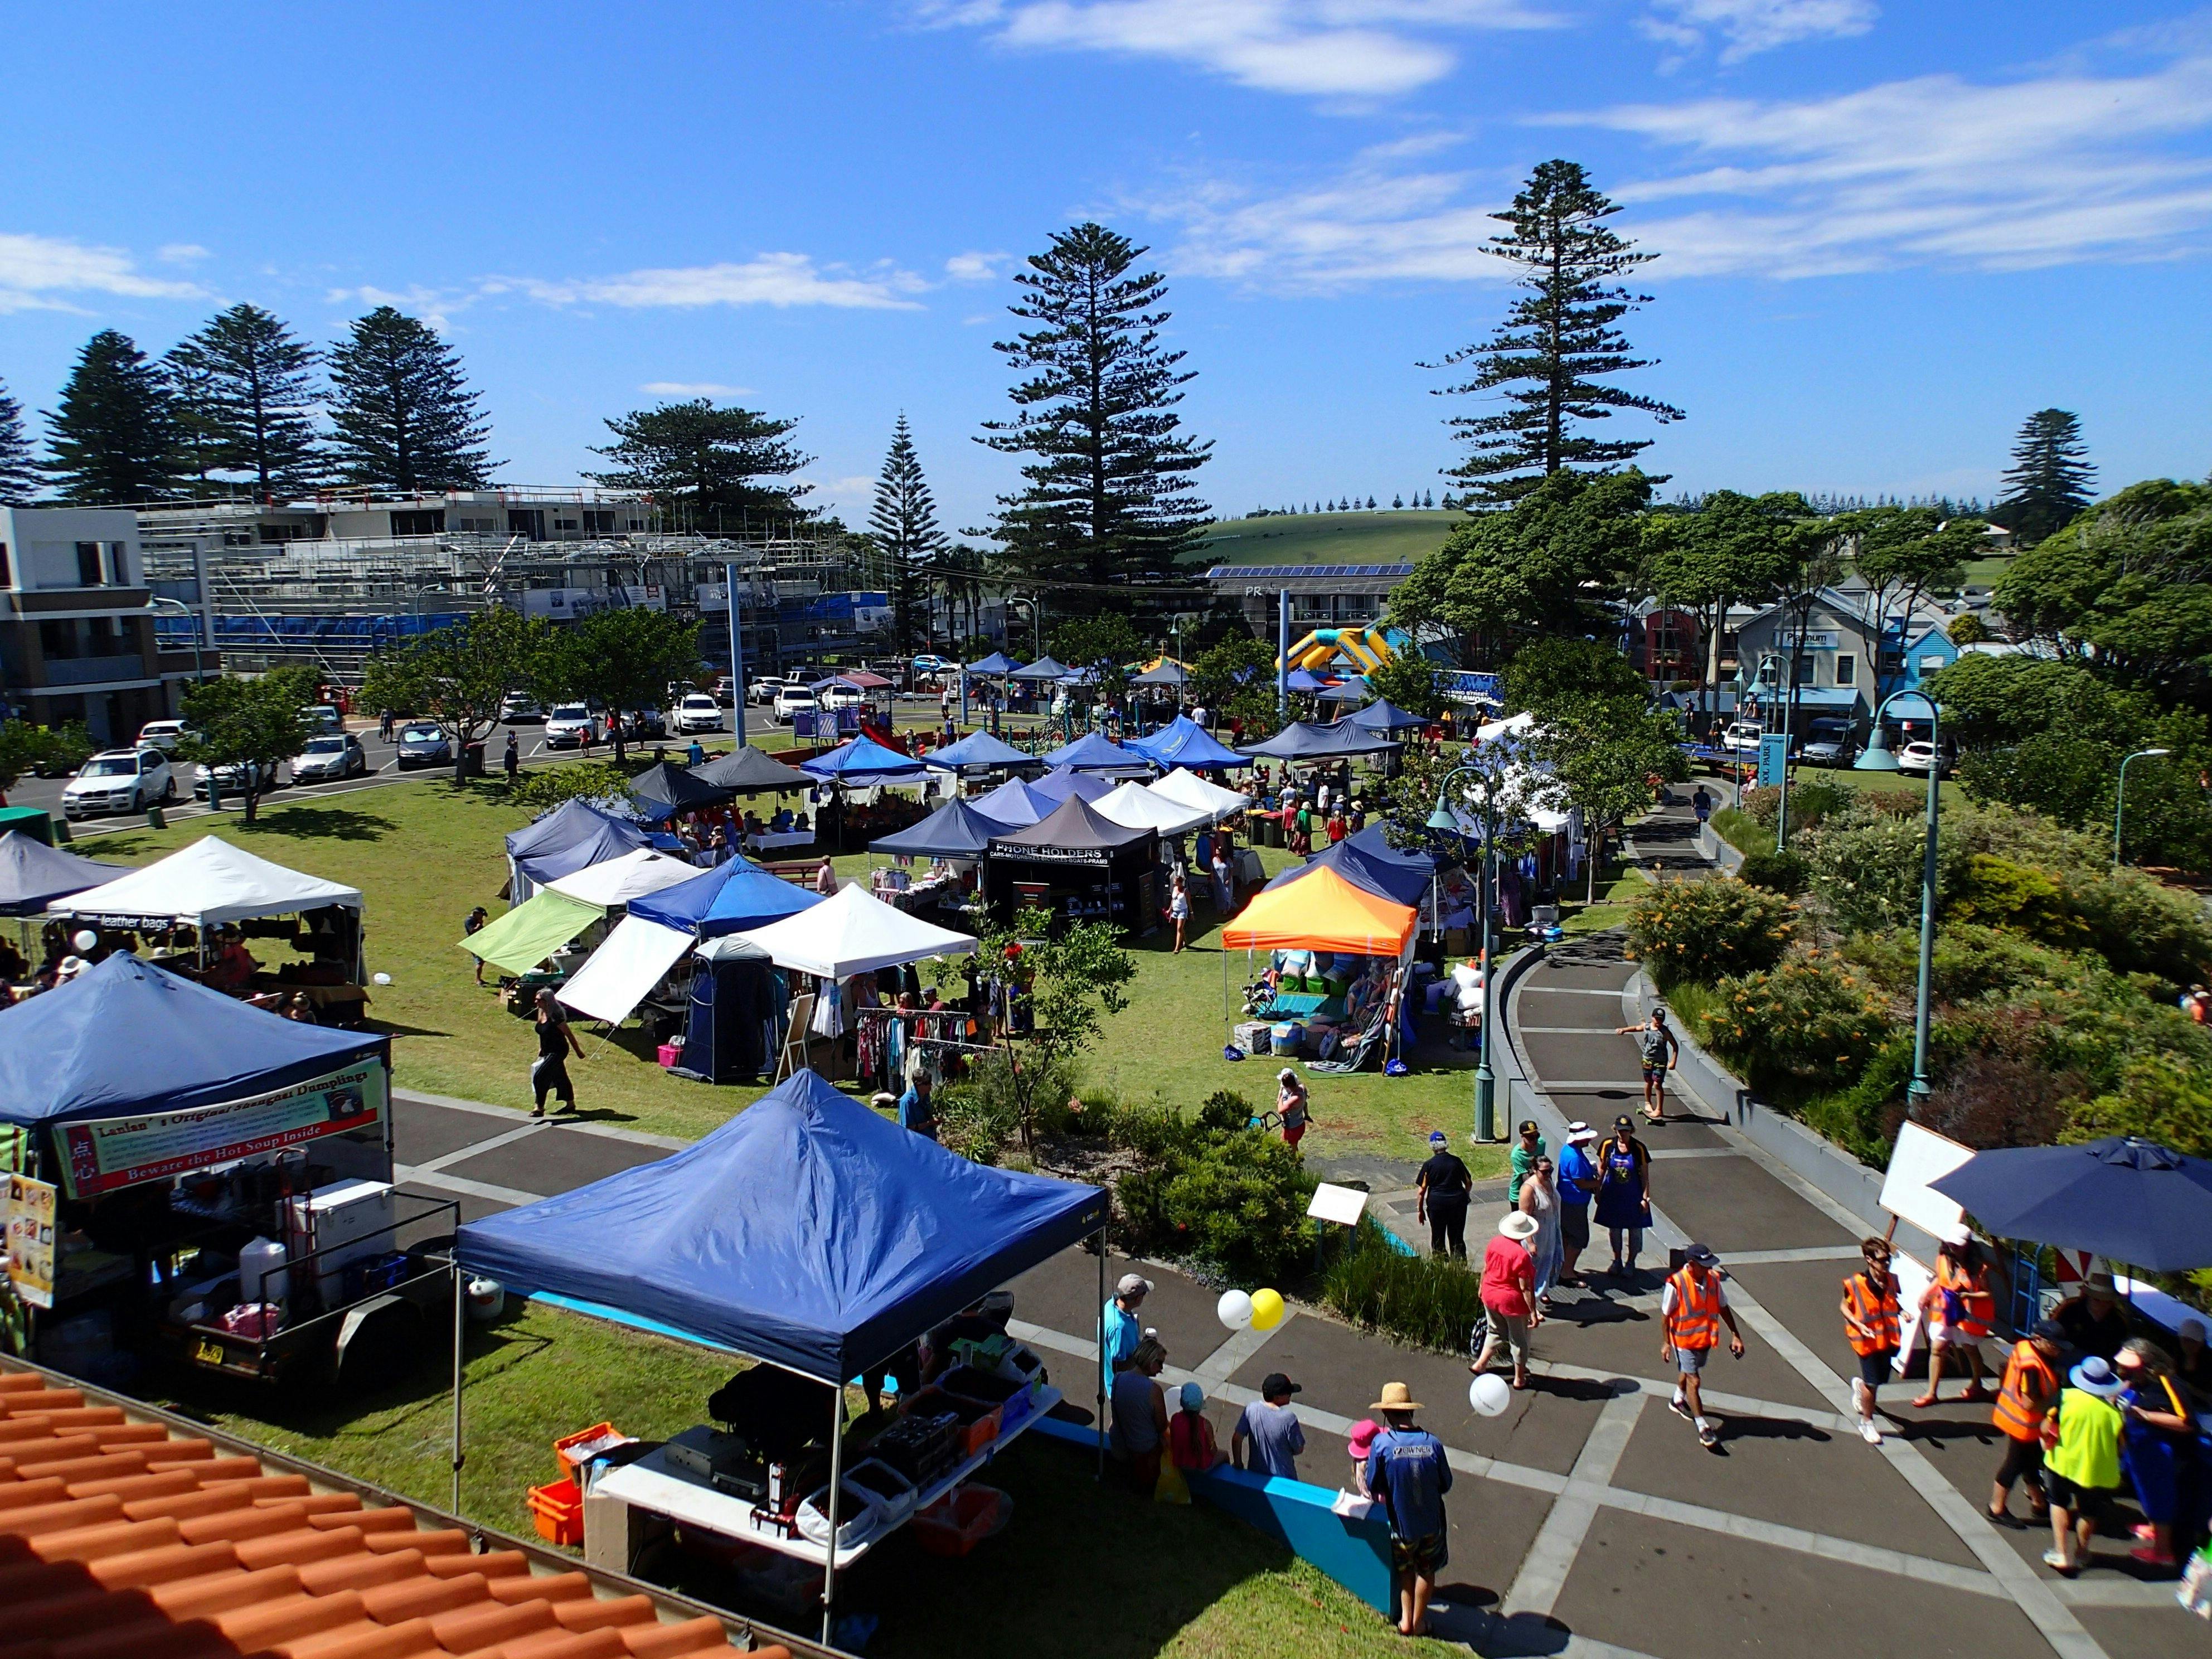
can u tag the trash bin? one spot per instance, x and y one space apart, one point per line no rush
472 760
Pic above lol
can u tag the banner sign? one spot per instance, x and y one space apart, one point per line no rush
30 1219
106 1153
1461 686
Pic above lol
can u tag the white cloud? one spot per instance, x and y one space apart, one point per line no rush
692 389
40 273
770 279
1935 170
976 267
1337 49
180 253
433 305
1750 27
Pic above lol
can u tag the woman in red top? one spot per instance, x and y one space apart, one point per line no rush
1508 1295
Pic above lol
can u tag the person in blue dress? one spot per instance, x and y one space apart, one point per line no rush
2159 1449
1624 1193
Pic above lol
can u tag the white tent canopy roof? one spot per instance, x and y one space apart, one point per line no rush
854 933
628 963
1192 790
207 883
619 880
1141 807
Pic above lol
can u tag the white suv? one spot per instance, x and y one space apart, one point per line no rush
164 735
699 712
118 781
1743 738
571 726
791 700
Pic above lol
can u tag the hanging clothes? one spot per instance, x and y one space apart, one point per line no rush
829 1009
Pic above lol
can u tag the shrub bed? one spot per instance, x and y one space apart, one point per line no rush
1423 1300
1707 931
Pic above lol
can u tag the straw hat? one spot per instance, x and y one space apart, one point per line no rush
1515 1225
1396 1397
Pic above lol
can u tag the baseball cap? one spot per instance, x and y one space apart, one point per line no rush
1276 1383
1578 1132
1528 1126
2049 1330
1193 1396
1131 1284
1623 1122
1436 1138
1702 1254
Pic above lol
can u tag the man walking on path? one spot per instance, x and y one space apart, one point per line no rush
1441 1194
1661 1054
1409 1475
1870 1323
1691 1310
1702 804
2025 1398
1578 1184
1267 1437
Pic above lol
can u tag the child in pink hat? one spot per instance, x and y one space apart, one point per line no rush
1363 1442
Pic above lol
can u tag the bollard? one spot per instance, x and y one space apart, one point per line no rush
61 830
155 819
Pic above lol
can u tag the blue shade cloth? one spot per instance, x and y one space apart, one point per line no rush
125 1036
1304 740
1183 742
665 790
566 825
1017 802
730 898
1092 753
1383 715
954 830
863 761
806 1230
608 839
976 749
1044 668
1061 785
1397 879
1375 840
33 874
997 663
2130 1200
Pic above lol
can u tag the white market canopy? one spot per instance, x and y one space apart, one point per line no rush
632 876
1138 806
207 884
631 961
854 933
1192 790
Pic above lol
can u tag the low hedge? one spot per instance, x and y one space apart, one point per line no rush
1423 1301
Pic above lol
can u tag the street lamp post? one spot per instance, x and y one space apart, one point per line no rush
1877 758
2120 803
1442 821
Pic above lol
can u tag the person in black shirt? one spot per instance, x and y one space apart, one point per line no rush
1442 1188
2093 1321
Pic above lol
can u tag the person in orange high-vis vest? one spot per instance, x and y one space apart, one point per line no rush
2025 1398
1870 1323
1691 1310
1959 1309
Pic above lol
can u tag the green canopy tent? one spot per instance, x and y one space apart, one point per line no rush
531 931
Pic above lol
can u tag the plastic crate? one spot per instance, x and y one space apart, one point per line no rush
558 1511
571 1451
959 1521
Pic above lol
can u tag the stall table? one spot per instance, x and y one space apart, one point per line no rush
773 840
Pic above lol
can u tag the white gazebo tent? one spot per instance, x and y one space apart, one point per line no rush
619 880
206 885
633 959
1140 806
1194 791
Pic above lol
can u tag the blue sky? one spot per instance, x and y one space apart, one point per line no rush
1887 232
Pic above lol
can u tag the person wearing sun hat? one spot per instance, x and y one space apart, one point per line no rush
1409 1475
2081 1467
1509 1294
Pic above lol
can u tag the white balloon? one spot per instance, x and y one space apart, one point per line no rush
86 940
381 978
1234 1310
1489 1394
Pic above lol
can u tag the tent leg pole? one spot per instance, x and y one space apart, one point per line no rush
836 1483
460 1313
1101 1352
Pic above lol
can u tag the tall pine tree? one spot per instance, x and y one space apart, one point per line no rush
2048 480
1107 498
247 386
199 450
405 417
19 472
903 521
115 438
717 468
1555 343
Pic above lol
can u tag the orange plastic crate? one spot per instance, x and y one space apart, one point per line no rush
558 1510
597 1432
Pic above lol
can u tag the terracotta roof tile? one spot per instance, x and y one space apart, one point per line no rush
555 1587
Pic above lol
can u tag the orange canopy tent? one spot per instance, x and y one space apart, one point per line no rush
1322 912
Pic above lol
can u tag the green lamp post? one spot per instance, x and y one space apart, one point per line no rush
1445 823
2120 802
1878 758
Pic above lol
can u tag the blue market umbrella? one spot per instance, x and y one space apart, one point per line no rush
2130 1200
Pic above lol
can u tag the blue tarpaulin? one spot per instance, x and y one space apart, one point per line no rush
978 749
954 830
861 761
729 898
806 1230
1093 753
1183 742
126 1037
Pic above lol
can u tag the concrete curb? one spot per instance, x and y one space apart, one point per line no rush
1723 855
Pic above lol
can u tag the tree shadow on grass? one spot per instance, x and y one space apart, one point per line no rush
318 823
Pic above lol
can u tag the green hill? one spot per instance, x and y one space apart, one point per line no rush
1378 537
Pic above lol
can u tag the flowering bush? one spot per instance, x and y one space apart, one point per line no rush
1814 1020
1704 931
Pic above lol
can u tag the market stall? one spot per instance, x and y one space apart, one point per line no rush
573 836
861 761
526 935
1383 715
1141 807
1093 753
198 1177
1016 803
664 791
955 838
812 1235
619 882
729 898
979 751
1060 784
1350 951
33 875
1302 742
1183 742
1192 790
1077 867
750 771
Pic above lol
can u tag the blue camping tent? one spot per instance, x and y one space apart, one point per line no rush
1017 802
1060 785
806 1230
861 761
730 898
608 839
33 875
1093 753
1304 740
979 749
1390 875
954 830
127 1037
1183 742
566 825
997 663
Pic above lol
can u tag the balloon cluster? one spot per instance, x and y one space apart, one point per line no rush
1262 1310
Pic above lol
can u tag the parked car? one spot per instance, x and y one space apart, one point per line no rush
423 743
698 713
724 692
929 662
643 726
572 726
324 717
164 735
118 781
1831 743
232 777
1742 737
763 691
791 700
516 710
330 758
1919 756
840 697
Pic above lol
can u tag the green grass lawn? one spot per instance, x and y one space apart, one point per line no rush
1379 538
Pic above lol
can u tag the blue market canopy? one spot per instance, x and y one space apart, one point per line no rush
1299 680
1350 691
954 830
33 875
1044 668
979 749
996 664
1061 785
1303 740
573 836
1017 802
1383 715
729 898
564 826
1092 752
1169 672
1400 880
1183 742
663 791
2129 1200
863 761
806 1230
1375 841
126 1037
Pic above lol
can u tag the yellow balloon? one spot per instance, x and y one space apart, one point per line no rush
1266 1310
